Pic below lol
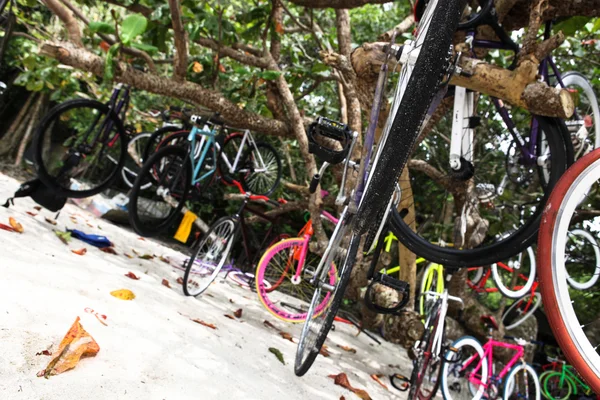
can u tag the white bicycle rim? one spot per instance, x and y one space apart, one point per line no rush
586 236
516 294
578 190
464 341
126 172
510 381
524 317
573 78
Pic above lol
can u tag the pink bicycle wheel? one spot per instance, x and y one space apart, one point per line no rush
277 290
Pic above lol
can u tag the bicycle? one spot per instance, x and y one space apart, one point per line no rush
284 271
182 162
476 194
565 261
215 249
560 381
366 208
428 351
470 366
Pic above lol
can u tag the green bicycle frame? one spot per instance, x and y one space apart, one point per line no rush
567 374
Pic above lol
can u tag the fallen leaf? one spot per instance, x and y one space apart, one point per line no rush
100 319
80 252
74 220
50 221
76 344
7 228
238 313
342 398
15 225
376 379
64 237
109 250
38 208
30 213
287 336
269 325
197 67
324 352
132 276
43 353
347 348
231 301
141 238
277 354
146 257
229 316
123 294
342 380
199 321
90 225
127 255
165 260
135 252
166 283
180 280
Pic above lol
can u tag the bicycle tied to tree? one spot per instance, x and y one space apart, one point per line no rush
185 164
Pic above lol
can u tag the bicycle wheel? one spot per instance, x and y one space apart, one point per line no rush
232 150
277 288
586 127
79 148
425 379
431 282
135 159
524 266
584 260
260 169
417 85
487 214
520 310
460 378
315 327
169 173
157 137
210 256
572 313
522 382
556 386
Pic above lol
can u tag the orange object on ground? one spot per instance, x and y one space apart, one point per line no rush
76 344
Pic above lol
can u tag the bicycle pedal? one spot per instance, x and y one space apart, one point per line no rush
401 287
321 132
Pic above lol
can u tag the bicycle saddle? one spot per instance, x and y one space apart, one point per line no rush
489 321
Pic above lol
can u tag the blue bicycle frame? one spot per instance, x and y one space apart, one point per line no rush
207 142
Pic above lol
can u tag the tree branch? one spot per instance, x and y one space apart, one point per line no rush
401 28
180 62
233 53
336 3
67 18
192 92
135 7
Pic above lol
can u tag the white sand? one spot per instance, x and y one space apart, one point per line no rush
149 350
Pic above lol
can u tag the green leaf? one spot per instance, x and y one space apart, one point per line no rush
145 47
109 64
277 354
132 26
572 25
596 26
319 67
270 75
101 27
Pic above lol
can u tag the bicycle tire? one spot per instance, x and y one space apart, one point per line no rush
129 174
250 179
449 361
43 137
301 364
512 324
152 226
224 231
545 380
576 78
421 87
423 362
563 319
596 274
157 138
494 249
511 377
516 293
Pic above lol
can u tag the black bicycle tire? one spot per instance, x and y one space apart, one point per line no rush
134 220
479 18
11 21
417 98
513 244
246 155
159 133
38 143
199 246
331 312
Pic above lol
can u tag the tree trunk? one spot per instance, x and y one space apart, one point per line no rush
38 111
13 135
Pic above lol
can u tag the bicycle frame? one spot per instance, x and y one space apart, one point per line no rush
207 142
481 286
233 167
488 350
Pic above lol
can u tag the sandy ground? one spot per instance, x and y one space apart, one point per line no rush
150 348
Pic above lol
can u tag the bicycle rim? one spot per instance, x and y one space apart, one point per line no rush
458 370
523 266
520 310
522 383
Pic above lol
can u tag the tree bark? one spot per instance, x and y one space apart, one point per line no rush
11 137
67 18
38 109
181 40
